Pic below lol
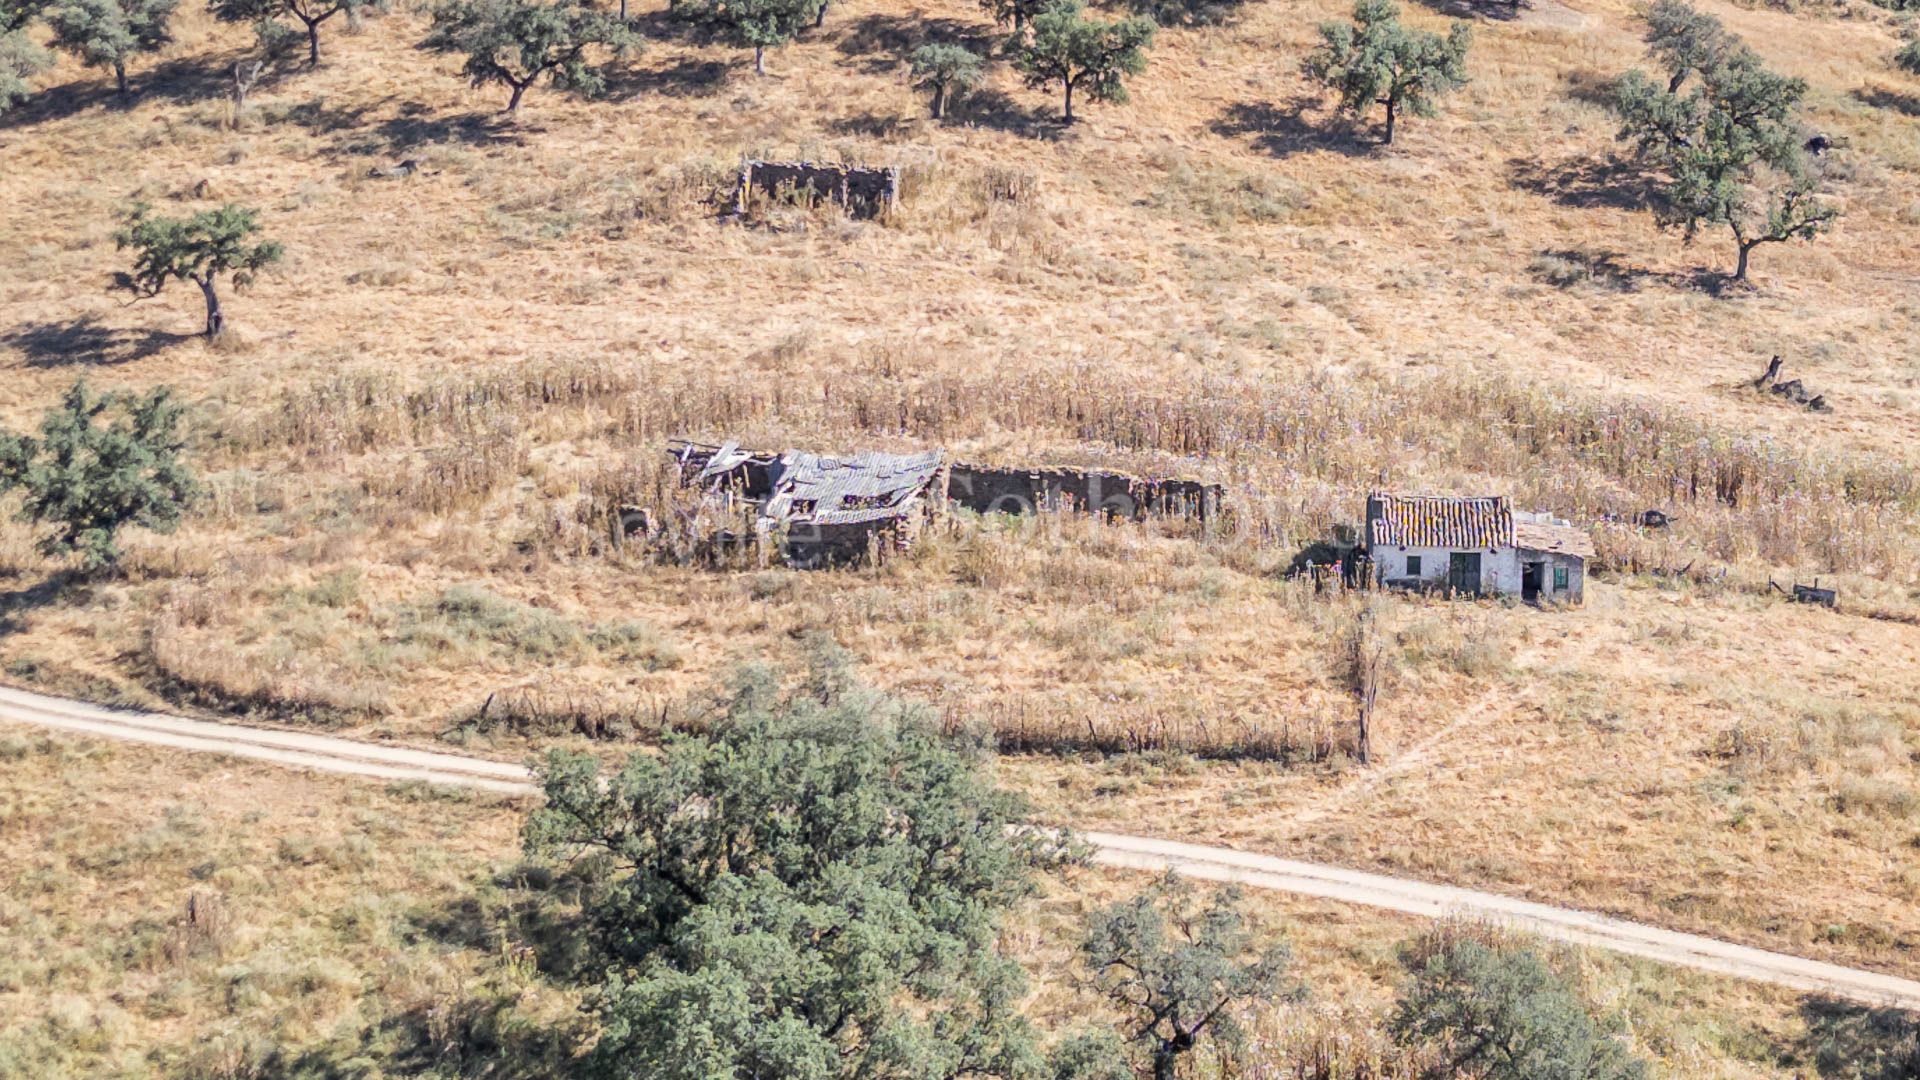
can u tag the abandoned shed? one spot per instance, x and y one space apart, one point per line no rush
1475 545
825 510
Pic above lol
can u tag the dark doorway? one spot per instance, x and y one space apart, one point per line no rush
1463 571
1532 576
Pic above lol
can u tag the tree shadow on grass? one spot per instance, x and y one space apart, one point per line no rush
182 80
1849 1041
416 127
886 41
1588 183
1882 98
997 110
688 78
1286 131
1566 268
16 603
531 906
84 341
1496 10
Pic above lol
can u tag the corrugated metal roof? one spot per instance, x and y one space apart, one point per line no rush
869 486
1439 521
1557 539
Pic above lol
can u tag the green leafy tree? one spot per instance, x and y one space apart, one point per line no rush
756 24
16 14
1685 40
514 43
20 60
1377 61
1177 968
1496 1010
90 478
1073 52
1015 13
202 249
810 888
110 33
948 71
308 13
1730 151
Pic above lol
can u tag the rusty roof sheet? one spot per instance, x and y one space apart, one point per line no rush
1439 521
869 486
1556 539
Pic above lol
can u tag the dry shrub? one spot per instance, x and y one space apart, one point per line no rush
548 709
1319 1042
218 676
203 928
1028 723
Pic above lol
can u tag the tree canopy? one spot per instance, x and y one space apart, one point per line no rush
202 249
1728 146
515 42
1685 40
309 13
20 60
1496 1010
110 33
91 479
756 24
1375 60
947 70
812 887
1176 968
1069 50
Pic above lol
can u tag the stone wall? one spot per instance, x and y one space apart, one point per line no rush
991 490
863 191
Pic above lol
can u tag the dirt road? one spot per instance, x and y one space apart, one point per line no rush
304 750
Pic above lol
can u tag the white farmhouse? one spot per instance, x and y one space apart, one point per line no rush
1475 545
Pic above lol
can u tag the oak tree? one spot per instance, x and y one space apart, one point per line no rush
514 43
1069 50
110 33
99 464
204 248
1729 149
756 24
946 70
1375 60
310 14
20 60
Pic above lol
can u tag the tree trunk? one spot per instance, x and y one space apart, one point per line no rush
1392 116
313 44
120 75
216 319
513 103
1740 268
1069 108
759 59
623 10
820 17
1165 1058
939 100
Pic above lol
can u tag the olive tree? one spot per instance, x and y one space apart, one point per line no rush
1069 50
1177 968
1495 1009
756 24
110 33
1728 148
1375 60
308 13
100 463
204 248
809 887
946 70
514 43
1685 40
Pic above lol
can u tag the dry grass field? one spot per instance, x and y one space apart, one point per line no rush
414 437
196 917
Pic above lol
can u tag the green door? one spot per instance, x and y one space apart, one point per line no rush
1463 572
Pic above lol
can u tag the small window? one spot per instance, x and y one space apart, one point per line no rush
1413 566
1559 579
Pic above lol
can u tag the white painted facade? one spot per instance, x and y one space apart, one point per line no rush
1501 570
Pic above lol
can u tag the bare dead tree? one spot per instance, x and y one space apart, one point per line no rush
1365 653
